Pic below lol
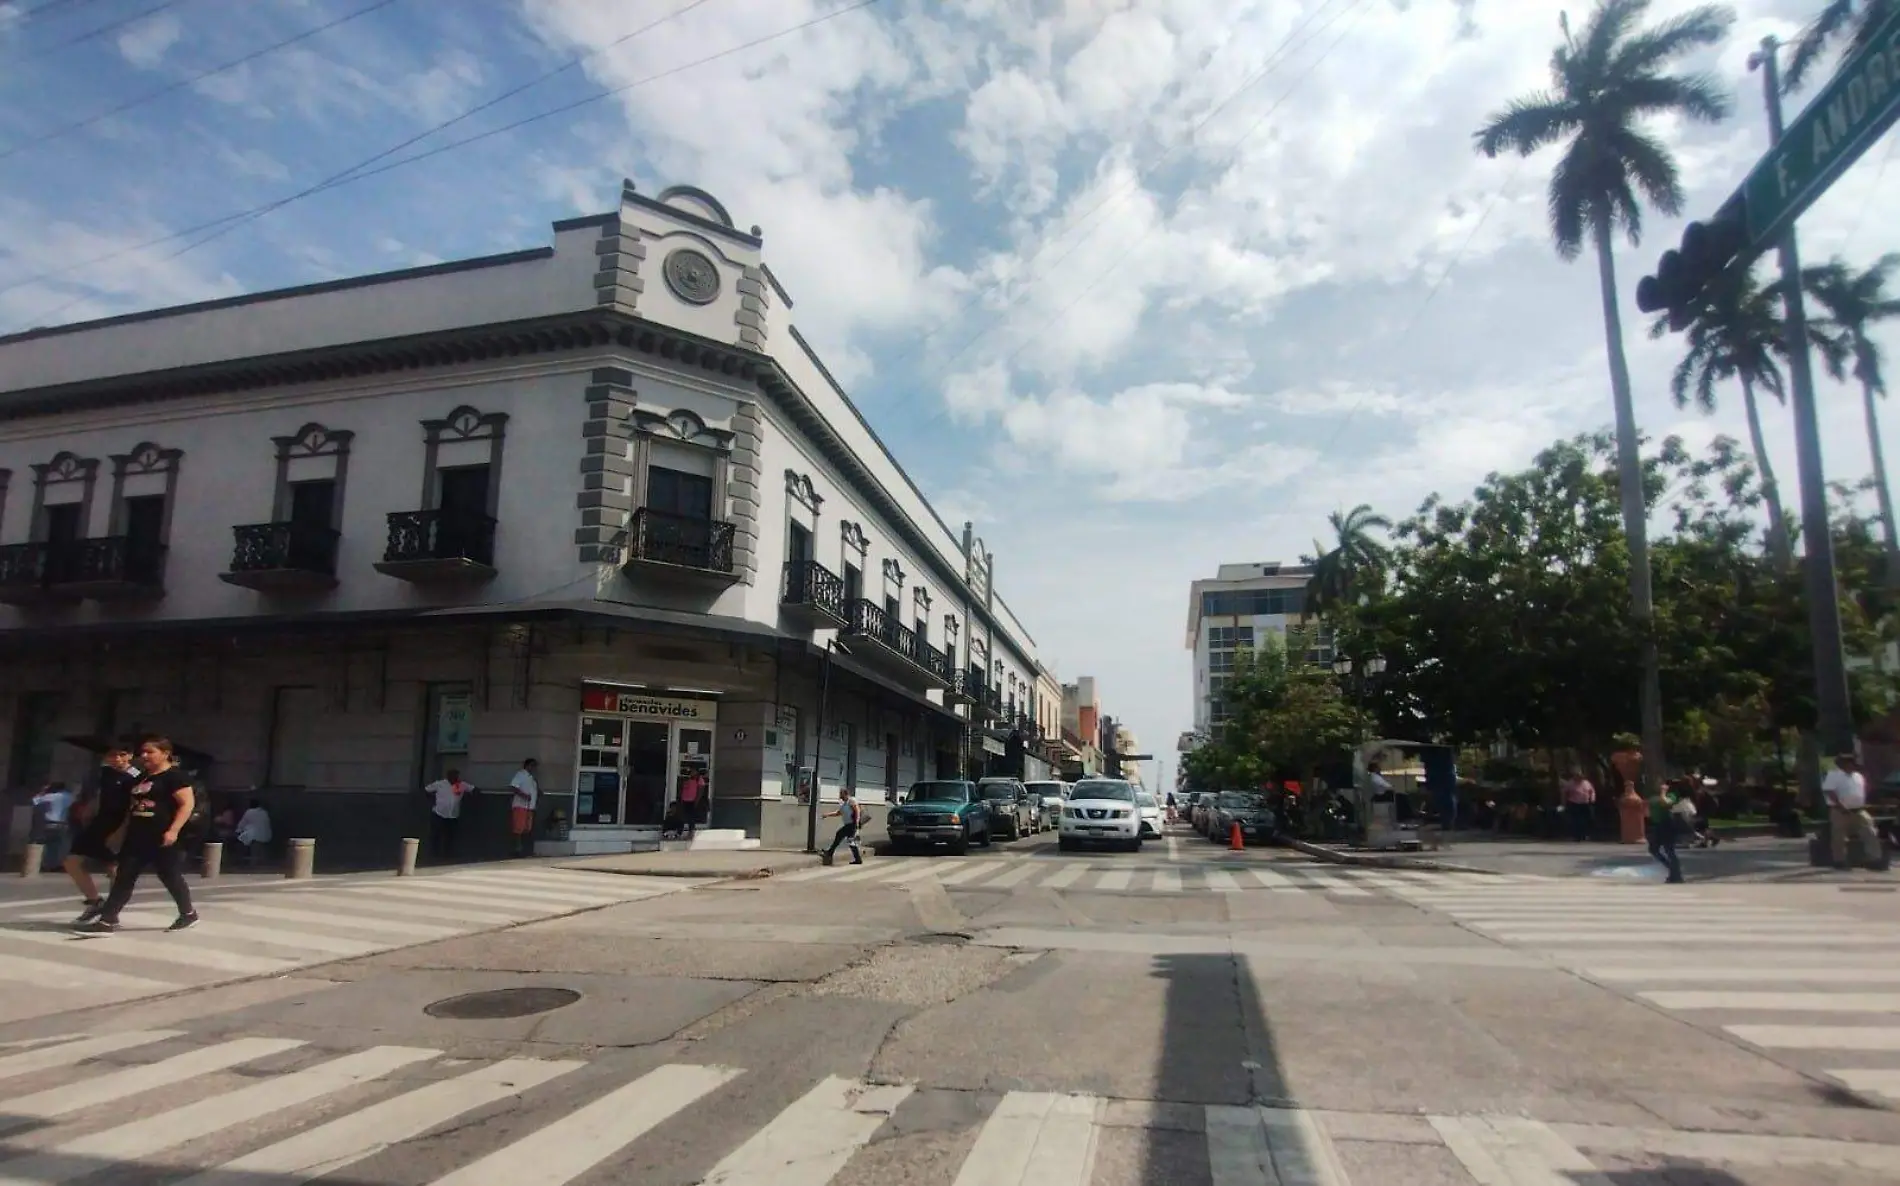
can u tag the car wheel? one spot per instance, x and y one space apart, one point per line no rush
961 845
1134 845
1065 844
988 838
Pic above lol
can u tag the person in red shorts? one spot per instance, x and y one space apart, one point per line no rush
527 791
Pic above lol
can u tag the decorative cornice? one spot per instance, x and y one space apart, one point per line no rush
465 424
313 440
146 458
894 572
854 536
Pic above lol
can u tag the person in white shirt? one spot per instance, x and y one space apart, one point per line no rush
1845 790
253 830
521 810
445 811
54 805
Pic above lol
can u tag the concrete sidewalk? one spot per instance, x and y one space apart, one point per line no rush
746 863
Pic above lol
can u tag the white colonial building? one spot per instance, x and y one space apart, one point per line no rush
596 503
1234 612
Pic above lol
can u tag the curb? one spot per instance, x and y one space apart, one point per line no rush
1375 861
758 874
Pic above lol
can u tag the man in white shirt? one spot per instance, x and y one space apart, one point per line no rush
445 811
521 810
54 805
253 830
1845 790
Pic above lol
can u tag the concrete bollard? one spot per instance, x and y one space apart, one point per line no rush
212 860
406 867
31 859
301 861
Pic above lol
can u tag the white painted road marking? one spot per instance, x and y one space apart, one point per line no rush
810 1141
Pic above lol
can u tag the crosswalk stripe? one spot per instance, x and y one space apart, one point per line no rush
606 884
1278 882
1167 881
1067 876
1115 879
1873 1082
1698 936
463 896
436 905
127 1082
217 927
969 872
1343 889
1795 1002
567 1148
810 1141
1034 1138
352 921
1020 873
506 889
872 871
1828 974
1861 1038
21 969
174 950
1221 881
67 1054
816 871
351 1138
917 871
142 1138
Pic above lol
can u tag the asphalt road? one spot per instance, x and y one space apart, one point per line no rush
1185 1015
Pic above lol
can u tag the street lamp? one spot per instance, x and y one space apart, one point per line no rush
818 749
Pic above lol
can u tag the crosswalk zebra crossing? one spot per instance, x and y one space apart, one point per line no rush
1079 876
1804 984
266 931
264 1111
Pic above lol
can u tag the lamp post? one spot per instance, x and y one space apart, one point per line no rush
818 748
1360 671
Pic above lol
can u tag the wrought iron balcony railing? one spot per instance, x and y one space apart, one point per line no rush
811 586
440 535
285 547
685 541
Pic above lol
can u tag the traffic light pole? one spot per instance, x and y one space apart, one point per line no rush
1835 719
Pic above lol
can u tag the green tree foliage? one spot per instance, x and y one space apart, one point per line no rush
1285 719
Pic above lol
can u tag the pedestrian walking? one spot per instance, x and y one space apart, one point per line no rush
1580 804
853 815
692 790
101 817
1662 833
527 791
445 811
1845 789
53 806
162 800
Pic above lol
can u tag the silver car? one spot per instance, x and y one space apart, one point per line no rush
1048 796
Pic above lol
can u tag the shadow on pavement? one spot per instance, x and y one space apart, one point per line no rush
50 1165
1676 1173
1218 1050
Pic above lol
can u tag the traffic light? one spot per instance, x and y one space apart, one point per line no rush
1684 276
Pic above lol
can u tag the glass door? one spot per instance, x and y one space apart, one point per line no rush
597 780
695 770
647 761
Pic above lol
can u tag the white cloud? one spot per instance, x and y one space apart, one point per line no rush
41 242
145 43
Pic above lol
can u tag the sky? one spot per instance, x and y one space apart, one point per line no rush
1138 286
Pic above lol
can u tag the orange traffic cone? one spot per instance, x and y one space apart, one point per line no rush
1233 837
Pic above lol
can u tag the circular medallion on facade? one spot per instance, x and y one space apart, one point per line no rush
692 276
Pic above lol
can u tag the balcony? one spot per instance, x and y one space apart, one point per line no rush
430 546
898 650
111 568
34 574
682 547
814 595
283 557
958 690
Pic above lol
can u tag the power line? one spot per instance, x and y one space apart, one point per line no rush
101 31
182 83
41 9
357 173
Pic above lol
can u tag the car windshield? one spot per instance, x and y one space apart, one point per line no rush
1045 789
1243 801
999 790
1145 799
1104 790
938 792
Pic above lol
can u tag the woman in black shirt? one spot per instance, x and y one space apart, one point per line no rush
100 818
161 804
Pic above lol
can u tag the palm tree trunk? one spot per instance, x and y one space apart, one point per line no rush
1629 476
1881 491
1779 548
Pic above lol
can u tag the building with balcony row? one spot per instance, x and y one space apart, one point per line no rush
596 503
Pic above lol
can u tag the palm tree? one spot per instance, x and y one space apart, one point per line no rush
1855 303
1857 20
1354 559
1736 335
1603 83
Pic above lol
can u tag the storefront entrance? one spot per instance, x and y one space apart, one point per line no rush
637 751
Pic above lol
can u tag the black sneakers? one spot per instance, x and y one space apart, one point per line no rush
93 909
97 926
184 922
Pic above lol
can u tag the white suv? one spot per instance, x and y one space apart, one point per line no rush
1101 811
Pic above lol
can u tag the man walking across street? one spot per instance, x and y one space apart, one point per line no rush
445 811
1845 790
101 817
1662 832
161 805
848 830
521 809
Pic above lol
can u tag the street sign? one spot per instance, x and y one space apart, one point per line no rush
1852 110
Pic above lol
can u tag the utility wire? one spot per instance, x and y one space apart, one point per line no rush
358 173
101 31
182 83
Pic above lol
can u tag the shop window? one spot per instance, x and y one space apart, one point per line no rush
293 711
35 721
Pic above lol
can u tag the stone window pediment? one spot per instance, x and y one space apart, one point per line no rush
921 596
465 424
145 458
313 440
800 487
66 467
894 573
854 538
682 425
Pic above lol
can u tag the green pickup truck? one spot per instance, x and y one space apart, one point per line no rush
945 813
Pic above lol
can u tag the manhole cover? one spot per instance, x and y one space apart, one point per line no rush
502 1002
942 938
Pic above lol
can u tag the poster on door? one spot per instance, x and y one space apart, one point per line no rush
452 716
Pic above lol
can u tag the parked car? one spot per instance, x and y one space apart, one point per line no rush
1151 817
1101 811
1008 804
940 813
1203 808
1252 810
1049 795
